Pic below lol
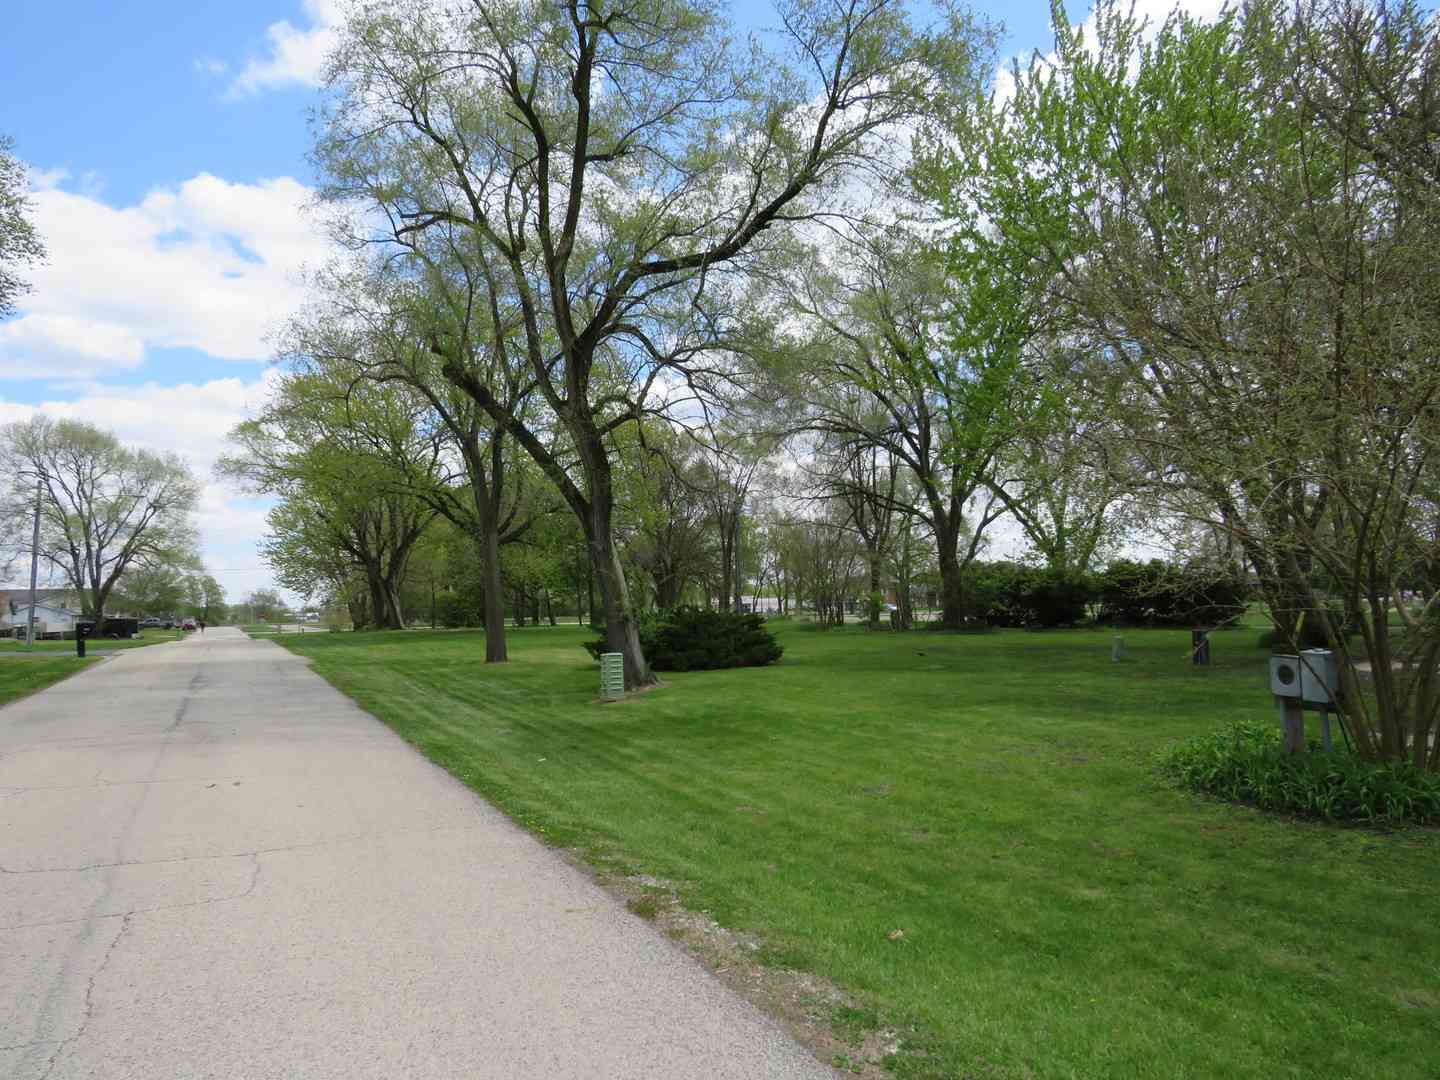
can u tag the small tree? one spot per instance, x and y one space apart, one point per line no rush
19 242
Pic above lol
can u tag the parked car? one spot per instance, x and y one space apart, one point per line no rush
152 623
188 624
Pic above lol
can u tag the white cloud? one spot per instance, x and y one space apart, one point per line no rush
193 421
43 179
35 346
210 265
296 55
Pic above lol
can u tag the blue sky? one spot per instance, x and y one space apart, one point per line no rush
167 143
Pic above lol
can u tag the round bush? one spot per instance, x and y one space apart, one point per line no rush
696 639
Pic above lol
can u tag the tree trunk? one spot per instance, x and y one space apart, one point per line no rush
952 592
379 606
622 633
739 601
589 586
905 609
354 600
493 600
875 597
667 591
952 586
727 564
392 601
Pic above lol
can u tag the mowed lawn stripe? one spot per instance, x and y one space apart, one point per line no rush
1064 912
22 676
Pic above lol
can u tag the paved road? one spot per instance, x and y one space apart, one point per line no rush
214 865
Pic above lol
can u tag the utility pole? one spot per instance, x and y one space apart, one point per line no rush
34 565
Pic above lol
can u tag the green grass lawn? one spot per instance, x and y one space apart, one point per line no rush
147 637
1064 913
21 677
267 630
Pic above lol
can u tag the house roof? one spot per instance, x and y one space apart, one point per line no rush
11 599
40 606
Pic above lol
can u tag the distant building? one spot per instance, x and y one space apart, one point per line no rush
50 619
13 599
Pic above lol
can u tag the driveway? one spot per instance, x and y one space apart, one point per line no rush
212 864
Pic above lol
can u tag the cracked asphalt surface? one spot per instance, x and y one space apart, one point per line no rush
212 864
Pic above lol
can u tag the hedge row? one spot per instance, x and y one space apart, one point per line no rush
1126 593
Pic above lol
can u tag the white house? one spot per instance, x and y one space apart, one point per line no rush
49 619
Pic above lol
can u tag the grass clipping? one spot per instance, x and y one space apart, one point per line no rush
836 1026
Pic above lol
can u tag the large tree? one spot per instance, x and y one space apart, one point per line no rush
923 363
1063 478
157 589
374 321
604 168
105 509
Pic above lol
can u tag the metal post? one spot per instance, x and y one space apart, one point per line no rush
34 565
1200 648
1292 725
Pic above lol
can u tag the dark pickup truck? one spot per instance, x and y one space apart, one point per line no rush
111 628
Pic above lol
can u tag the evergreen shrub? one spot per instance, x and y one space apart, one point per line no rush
695 639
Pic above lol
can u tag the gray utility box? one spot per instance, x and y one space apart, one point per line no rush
612 676
1285 676
1319 677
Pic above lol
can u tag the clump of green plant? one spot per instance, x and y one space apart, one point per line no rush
1245 763
694 639
646 906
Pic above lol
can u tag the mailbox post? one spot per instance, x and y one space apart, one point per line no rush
1307 681
1285 685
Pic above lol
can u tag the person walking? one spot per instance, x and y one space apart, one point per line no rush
202 626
